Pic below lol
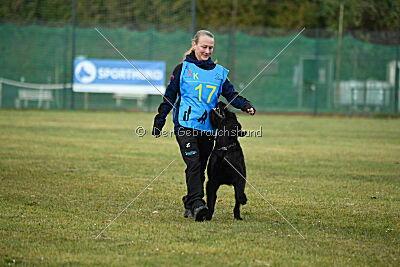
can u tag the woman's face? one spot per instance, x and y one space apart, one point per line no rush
204 48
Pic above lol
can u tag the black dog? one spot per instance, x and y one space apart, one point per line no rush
227 151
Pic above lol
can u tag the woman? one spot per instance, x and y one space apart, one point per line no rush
197 83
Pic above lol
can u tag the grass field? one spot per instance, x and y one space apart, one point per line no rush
65 175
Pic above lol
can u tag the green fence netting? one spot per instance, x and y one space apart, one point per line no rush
302 79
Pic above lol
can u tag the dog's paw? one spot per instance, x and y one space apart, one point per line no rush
239 218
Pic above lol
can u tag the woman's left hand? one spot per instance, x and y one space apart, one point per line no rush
251 111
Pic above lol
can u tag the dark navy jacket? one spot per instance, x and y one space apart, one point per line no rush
173 91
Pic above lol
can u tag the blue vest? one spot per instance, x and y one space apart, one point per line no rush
199 90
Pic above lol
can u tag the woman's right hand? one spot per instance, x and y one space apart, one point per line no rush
156 132
251 111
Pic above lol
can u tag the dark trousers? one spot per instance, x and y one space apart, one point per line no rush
196 147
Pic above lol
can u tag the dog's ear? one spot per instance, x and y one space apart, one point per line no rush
221 105
219 113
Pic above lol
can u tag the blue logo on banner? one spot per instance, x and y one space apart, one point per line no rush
85 72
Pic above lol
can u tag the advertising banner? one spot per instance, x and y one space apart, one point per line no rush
119 77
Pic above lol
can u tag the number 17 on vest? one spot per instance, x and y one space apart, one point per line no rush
207 86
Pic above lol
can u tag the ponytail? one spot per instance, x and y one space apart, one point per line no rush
187 53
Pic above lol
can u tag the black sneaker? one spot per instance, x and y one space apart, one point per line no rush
188 214
200 213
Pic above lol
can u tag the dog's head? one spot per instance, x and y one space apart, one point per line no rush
217 114
225 120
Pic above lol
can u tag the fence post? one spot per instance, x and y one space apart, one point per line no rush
396 76
151 31
315 84
194 17
1 92
353 95
233 42
65 65
73 51
86 105
340 33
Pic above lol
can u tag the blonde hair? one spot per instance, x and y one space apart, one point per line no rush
196 40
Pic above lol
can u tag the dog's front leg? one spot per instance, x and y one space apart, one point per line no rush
211 191
236 211
240 198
